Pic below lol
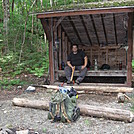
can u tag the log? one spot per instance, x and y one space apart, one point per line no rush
22 102
89 110
105 112
105 89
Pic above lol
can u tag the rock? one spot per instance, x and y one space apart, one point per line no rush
30 89
22 132
19 87
5 112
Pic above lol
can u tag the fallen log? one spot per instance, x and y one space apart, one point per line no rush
95 111
104 89
22 102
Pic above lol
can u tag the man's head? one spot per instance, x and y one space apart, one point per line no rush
74 48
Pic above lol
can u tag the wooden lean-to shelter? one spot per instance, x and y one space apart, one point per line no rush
105 34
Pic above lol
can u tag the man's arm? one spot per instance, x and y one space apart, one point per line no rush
69 64
85 62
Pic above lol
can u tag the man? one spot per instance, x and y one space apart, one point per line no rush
78 60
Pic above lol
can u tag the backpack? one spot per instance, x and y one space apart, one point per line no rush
63 106
105 67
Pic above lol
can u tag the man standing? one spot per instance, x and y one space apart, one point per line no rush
78 60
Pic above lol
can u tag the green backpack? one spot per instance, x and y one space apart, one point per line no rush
63 107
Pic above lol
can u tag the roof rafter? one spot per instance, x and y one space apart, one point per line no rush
102 19
82 20
115 29
92 19
73 25
66 34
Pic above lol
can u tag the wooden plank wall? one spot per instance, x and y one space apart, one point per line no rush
110 55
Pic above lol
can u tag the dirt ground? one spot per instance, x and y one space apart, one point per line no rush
28 118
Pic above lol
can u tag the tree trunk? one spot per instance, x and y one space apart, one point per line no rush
5 22
51 3
93 88
95 111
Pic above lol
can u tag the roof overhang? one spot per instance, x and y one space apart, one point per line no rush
86 11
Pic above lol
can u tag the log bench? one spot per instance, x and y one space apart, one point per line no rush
107 73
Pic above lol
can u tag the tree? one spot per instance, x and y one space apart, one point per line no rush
5 22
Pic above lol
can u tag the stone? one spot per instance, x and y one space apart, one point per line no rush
30 89
22 132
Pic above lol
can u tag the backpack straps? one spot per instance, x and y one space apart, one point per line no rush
64 112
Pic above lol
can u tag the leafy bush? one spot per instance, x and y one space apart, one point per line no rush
6 83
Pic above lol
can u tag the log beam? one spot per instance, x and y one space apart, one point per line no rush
89 110
85 12
107 89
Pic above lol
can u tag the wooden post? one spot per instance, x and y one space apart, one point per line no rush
130 48
106 55
51 59
59 36
69 48
65 49
91 56
55 53
63 46
51 66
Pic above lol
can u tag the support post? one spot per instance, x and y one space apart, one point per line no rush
59 36
65 49
55 52
51 59
130 49
63 46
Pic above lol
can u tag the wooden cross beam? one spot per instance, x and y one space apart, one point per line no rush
58 23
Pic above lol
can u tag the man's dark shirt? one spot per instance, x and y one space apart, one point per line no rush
76 59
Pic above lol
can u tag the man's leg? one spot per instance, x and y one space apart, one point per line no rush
68 72
82 74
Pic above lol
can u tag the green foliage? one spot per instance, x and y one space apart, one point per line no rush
80 4
6 83
87 122
34 58
133 66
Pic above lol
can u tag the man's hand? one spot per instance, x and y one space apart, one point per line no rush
73 67
82 67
